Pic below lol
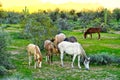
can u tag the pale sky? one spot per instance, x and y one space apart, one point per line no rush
104 3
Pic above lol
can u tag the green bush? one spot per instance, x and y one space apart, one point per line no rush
63 24
39 28
3 70
102 59
5 62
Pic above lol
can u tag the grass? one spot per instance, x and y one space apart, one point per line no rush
109 43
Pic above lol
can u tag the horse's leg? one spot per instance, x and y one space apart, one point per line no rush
98 35
91 35
35 59
73 60
79 61
46 56
35 65
51 58
40 64
61 56
29 56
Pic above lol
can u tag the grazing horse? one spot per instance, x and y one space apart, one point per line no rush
34 50
71 39
93 30
74 49
51 49
58 38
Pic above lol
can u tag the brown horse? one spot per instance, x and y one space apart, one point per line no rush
93 30
50 50
34 50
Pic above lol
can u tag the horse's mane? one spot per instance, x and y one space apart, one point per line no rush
83 53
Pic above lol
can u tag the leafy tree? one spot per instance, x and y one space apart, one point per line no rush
39 28
116 14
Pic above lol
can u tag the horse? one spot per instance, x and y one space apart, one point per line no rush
51 49
93 30
71 39
34 50
58 38
74 49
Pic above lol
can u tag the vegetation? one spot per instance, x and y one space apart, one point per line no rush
5 63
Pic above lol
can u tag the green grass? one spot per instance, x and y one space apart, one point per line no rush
109 43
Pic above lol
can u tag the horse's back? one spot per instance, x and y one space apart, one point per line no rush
69 48
93 30
47 43
60 37
31 48
71 39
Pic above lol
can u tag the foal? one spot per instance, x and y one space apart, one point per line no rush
50 49
34 50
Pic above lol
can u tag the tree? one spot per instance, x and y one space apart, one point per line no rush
116 14
38 28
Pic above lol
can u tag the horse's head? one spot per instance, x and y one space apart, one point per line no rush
86 63
85 34
40 61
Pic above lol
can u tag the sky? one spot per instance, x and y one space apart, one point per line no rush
14 3
105 3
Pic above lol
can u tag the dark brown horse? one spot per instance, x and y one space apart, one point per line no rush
71 39
93 30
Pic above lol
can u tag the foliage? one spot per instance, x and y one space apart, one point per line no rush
5 62
102 59
63 24
116 14
84 19
39 28
3 70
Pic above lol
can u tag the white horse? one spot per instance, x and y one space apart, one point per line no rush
34 50
74 49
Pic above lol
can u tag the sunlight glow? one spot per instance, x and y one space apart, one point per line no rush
62 4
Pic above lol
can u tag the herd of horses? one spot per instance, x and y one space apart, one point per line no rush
61 45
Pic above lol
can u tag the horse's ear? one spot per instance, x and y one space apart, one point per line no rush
52 40
88 58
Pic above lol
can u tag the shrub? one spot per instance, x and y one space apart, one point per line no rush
102 59
5 62
64 25
40 29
